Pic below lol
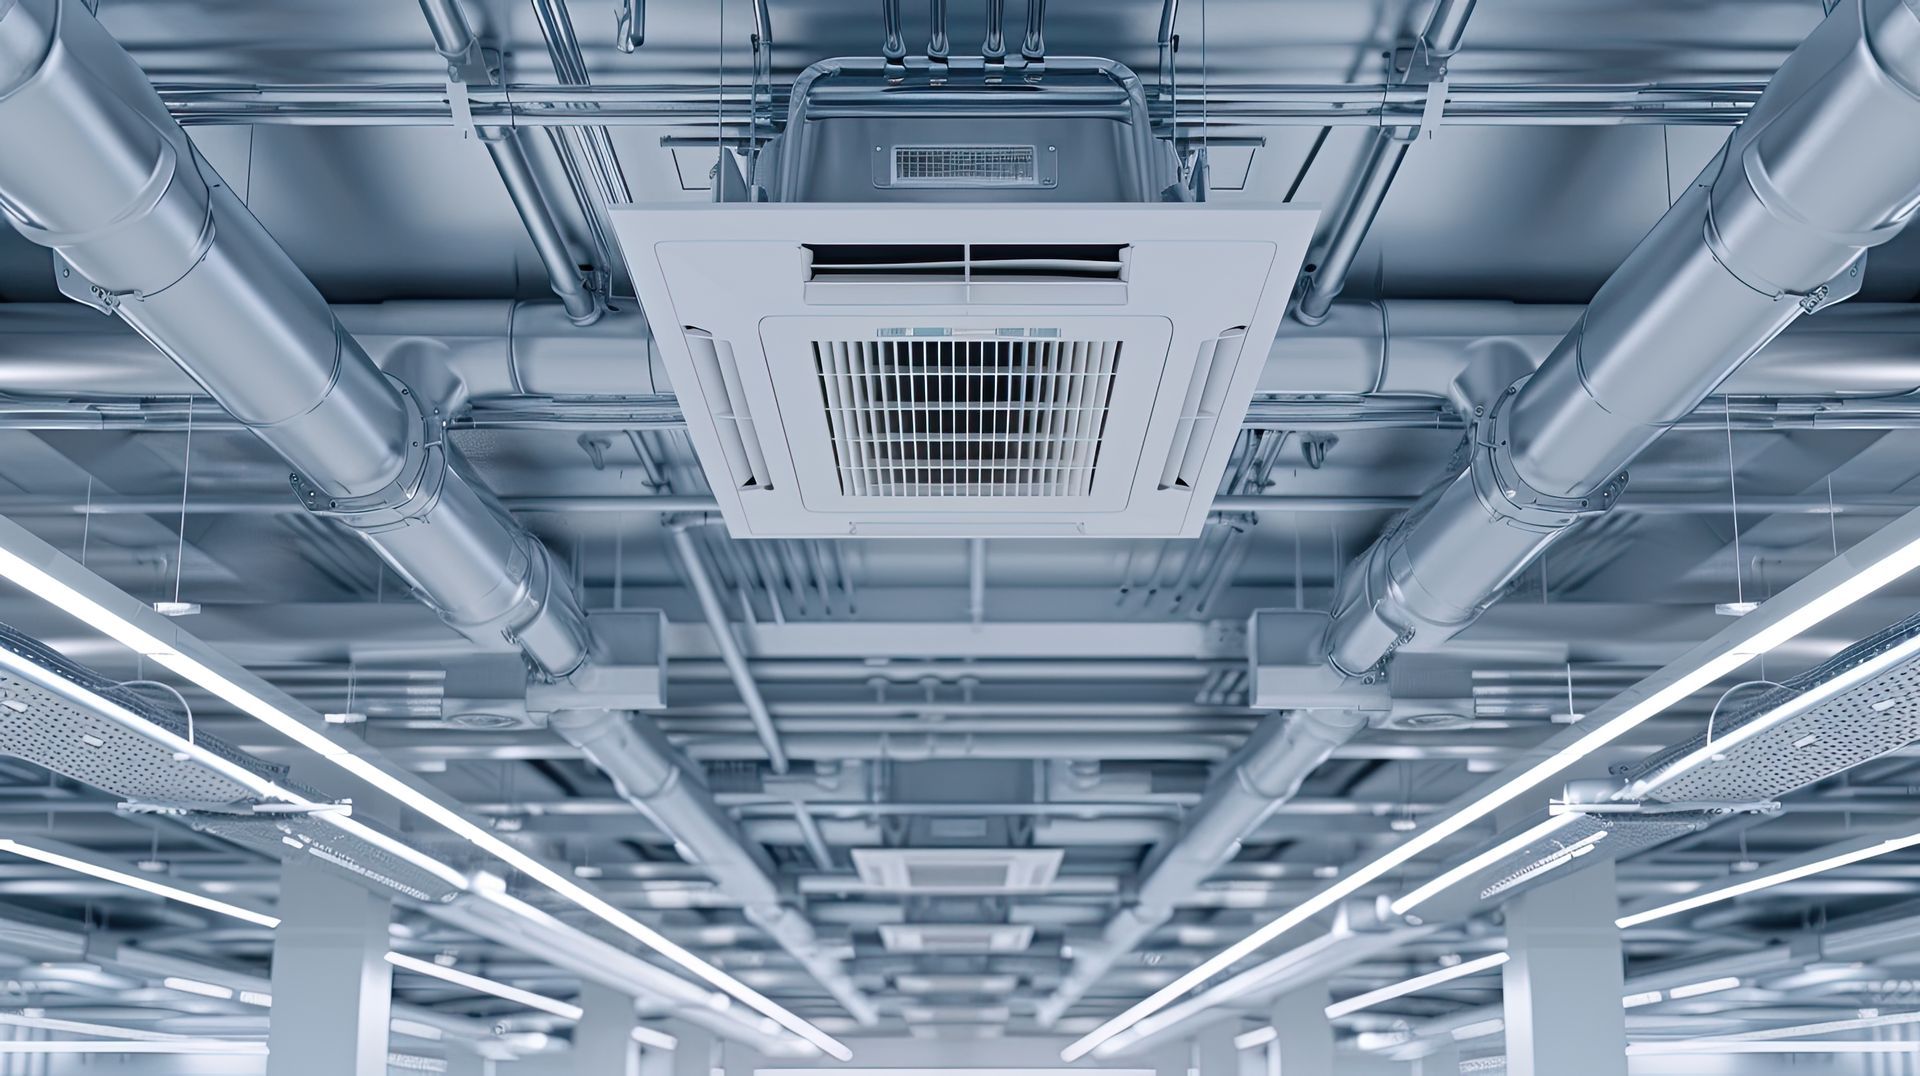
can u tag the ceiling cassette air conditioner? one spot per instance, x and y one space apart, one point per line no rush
955 370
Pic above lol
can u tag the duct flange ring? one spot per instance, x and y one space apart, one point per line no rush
408 496
1500 487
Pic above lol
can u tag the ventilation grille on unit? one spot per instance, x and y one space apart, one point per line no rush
950 870
966 418
936 262
965 166
955 937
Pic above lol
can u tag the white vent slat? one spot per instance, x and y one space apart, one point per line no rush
947 418
719 376
1200 411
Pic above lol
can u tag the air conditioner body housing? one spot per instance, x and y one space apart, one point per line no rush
964 304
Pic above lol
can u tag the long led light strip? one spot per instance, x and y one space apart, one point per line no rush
1776 1046
132 1046
134 881
1878 560
123 630
482 985
1758 882
1799 704
1454 876
1414 985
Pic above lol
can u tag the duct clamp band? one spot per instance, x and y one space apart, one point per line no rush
1507 495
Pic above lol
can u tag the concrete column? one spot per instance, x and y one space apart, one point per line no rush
1564 981
1257 1061
1212 1050
695 1056
1305 1045
603 1039
332 985
1444 1061
466 1063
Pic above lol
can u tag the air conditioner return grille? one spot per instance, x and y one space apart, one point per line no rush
966 418
965 166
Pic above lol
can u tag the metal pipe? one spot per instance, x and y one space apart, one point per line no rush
640 760
1266 773
1772 228
731 106
1374 177
117 190
994 48
729 647
893 48
1034 48
454 38
937 44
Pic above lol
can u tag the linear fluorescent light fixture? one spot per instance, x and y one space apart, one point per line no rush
1876 561
482 985
1781 875
1258 1037
1711 986
197 1047
135 881
195 986
1718 746
1454 876
1776 1046
655 1040
126 630
1414 985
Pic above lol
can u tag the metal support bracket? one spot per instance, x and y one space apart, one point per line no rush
81 290
1506 494
461 105
1845 285
1435 108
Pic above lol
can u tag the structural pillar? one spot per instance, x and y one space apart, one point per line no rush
1305 1045
467 1063
1444 1061
332 985
1565 979
603 1039
695 1055
1212 1051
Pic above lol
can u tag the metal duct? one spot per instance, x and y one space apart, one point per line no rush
1773 228
640 760
1427 62
115 188
1265 774
117 191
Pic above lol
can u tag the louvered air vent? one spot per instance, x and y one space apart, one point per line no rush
955 937
966 418
934 370
965 166
958 870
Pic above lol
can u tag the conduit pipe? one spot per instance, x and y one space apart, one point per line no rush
1265 774
729 647
1771 229
640 760
1374 177
453 37
115 188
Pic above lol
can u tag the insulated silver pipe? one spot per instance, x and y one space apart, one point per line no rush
114 187
1388 150
1267 773
639 759
1773 228
453 37
722 629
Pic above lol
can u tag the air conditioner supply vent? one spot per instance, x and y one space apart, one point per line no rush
917 418
1038 263
965 166
956 937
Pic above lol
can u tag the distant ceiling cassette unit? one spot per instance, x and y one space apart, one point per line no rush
958 870
956 937
957 370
